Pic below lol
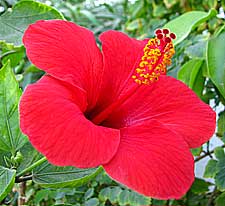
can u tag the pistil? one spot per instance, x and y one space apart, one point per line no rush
157 55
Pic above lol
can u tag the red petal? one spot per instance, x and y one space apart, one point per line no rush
51 115
153 161
66 51
120 54
174 105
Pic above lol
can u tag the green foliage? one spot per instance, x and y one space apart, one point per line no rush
216 61
220 200
13 23
11 136
191 74
183 25
210 170
48 175
221 124
7 179
200 186
220 169
116 195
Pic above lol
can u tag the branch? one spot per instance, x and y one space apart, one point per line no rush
31 167
23 179
206 154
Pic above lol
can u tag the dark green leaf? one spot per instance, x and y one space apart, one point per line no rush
220 176
221 124
200 186
219 152
11 138
159 202
13 23
7 179
183 24
210 170
220 200
216 62
48 175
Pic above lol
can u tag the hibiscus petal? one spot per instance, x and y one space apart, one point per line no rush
173 104
66 51
153 161
51 114
120 55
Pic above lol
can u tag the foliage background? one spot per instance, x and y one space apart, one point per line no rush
27 179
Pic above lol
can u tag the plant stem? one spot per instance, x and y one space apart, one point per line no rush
22 197
8 53
28 169
23 179
207 154
212 196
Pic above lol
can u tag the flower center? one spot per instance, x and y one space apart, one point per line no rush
157 56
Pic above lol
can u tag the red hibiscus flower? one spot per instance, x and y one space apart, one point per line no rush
113 107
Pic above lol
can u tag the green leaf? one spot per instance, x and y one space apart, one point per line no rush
159 202
88 194
13 23
219 153
216 62
110 193
138 199
11 138
3 157
183 24
48 175
197 50
210 169
220 167
7 179
196 151
90 17
124 197
92 202
221 124
134 25
29 156
220 200
133 198
191 74
200 186
12 53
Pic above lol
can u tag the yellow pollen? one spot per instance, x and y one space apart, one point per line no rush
157 55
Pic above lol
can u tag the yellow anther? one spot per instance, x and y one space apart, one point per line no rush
144 58
143 63
137 81
144 81
157 54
